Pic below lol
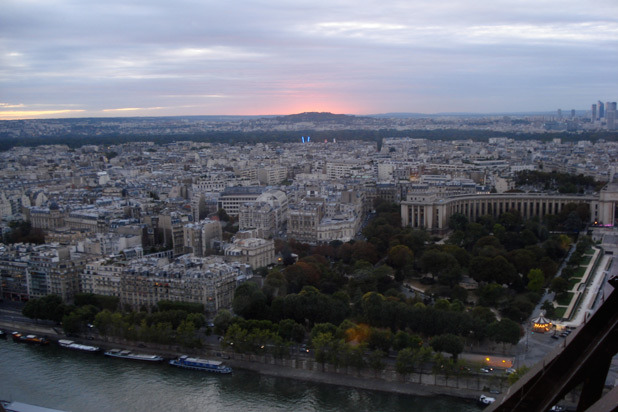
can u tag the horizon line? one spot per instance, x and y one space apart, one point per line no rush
503 113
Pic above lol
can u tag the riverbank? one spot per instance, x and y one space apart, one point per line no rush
304 369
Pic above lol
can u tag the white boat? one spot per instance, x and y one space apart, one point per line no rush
69 344
486 400
127 354
200 364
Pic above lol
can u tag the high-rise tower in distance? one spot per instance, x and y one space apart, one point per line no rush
601 109
610 114
593 118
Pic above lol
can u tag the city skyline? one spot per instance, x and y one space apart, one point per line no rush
91 59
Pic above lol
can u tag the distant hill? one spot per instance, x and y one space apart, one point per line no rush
319 117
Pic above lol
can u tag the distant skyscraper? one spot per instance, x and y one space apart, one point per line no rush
601 109
559 114
611 115
594 113
572 113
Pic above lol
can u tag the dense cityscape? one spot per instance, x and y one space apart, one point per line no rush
132 199
341 246
309 206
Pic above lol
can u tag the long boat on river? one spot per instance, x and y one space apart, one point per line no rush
32 339
200 364
127 354
69 344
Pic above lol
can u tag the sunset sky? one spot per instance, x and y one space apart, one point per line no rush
77 58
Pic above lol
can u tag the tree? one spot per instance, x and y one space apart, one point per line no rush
197 319
372 304
301 274
103 322
505 331
72 323
458 221
48 307
519 372
536 280
185 333
249 301
290 330
275 284
376 361
399 257
365 251
448 343
422 356
380 339
442 265
403 340
550 310
222 321
323 328
33 309
222 215
322 345
559 285
355 357
491 294
189 307
522 259
405 362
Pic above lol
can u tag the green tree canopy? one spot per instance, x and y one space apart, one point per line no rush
536 280
448 343
505 331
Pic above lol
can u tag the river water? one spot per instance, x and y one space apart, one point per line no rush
58 378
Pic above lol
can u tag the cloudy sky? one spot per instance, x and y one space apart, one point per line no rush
75 58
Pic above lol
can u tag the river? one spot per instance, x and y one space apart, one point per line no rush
58 378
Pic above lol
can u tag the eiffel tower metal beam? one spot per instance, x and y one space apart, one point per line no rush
584 358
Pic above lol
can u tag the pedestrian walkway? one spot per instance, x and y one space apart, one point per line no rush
581 308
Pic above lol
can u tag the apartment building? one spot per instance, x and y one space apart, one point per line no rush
272 175
232 198
255 252
268 213
14 271
141 283
199 237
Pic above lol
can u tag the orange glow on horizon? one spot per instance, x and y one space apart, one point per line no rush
303 104
25 114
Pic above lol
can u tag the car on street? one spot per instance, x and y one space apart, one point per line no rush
486 369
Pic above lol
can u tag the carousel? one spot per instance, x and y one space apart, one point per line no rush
541 324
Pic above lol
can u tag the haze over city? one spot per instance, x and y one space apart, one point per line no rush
118 58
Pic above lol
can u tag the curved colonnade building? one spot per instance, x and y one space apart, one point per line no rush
432 211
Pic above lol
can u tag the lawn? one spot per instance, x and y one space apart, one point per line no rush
579 272
559 313
586 260
565 299
573 281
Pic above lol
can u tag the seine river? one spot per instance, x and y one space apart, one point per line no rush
82 382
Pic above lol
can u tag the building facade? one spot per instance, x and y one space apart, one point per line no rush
255 252
142 283
431 211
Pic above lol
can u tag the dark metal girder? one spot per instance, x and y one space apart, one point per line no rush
584 359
